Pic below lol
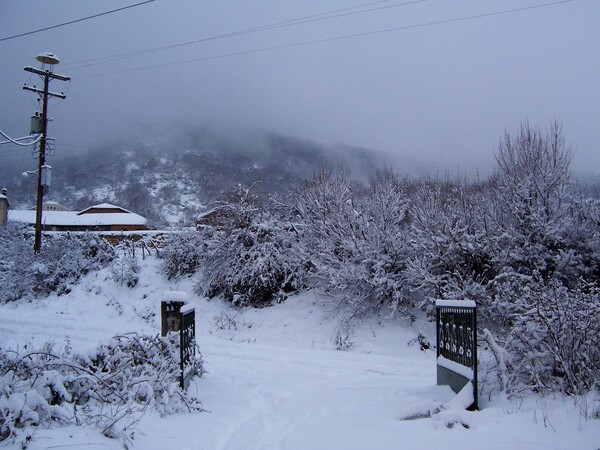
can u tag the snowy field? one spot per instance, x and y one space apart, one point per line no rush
276 381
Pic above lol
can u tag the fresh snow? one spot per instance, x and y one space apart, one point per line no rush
456 303
455 367
175 296
275 380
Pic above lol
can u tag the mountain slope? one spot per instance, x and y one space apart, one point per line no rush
169 175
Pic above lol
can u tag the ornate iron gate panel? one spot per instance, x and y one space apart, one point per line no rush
456 324
187 346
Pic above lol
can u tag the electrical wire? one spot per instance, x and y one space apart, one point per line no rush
334 38
16 141
74 21
22 161
287 23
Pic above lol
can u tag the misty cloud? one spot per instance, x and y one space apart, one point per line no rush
443 94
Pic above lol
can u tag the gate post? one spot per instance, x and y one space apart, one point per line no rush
176 316
172 302
456 335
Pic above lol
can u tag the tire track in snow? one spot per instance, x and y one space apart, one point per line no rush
287 391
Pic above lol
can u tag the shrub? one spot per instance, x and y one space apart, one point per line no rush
63 260
355 241
554 340
252 266
109 388
182 254
125 270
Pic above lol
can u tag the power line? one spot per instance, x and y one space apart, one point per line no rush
74 21
334 38
16 141
287 23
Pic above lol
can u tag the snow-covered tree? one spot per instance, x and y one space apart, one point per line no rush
355 240
250 257
450 233
533 198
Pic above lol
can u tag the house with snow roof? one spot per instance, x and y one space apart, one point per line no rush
102 217
216 217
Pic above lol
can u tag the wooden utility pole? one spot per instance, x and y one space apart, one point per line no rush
47 75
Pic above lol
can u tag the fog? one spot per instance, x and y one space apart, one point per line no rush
431 89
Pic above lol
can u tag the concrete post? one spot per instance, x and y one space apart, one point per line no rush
4 205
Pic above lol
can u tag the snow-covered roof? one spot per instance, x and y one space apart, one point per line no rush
210 212
73 218
105 206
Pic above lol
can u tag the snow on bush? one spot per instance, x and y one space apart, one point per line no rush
109 387
250 256
252 266
125 267
356 242
62 261
182 254
453 250
554 338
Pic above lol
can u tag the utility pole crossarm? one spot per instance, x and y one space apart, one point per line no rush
41 91
47 73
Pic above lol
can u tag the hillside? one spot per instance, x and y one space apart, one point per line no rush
169 174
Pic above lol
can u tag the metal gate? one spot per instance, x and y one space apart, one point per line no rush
187 347
456 324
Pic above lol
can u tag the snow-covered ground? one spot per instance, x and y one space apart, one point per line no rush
276 381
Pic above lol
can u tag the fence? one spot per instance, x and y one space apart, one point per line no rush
456 324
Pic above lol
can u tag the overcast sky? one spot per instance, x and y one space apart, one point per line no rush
442 93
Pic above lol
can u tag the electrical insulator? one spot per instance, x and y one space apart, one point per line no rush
46 175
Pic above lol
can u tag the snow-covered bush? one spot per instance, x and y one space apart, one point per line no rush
182 254
125 268
62 261
354 240
109 387
254 265
525 248
16 260
342 333
251 257
554 338
452 238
